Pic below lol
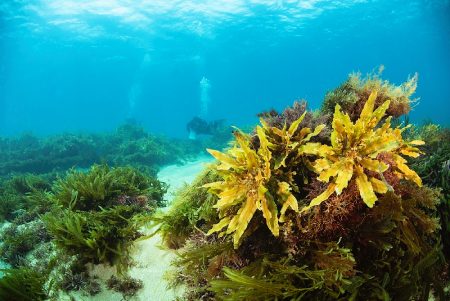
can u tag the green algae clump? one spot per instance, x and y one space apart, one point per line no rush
101 212
22 284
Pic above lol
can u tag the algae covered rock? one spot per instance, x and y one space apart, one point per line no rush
104 187
352 94
362 225
129 145
101 212
86 217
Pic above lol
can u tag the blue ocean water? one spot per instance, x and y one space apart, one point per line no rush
89 65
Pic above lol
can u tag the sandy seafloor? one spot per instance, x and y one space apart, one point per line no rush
151 260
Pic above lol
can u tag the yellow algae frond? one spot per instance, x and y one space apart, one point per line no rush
257 178
354 151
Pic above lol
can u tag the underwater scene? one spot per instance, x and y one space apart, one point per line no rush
224 150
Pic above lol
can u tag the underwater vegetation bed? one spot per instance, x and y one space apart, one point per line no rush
130 144
85 217
71 201
345 203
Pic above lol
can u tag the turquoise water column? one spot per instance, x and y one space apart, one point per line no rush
134 94
204 102
204 97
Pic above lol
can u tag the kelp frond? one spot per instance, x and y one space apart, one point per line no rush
251 180
285 279
22 284
354 151
246 174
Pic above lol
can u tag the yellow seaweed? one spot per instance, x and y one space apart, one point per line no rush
354 149
247 173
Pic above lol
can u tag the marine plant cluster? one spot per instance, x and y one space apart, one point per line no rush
434 169
130 145
68 223
344 203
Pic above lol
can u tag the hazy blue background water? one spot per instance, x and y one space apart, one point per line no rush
87 65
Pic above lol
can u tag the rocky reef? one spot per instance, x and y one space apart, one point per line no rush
345 203
129 145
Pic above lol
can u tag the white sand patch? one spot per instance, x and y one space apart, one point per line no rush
178 175
152 264
151 260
